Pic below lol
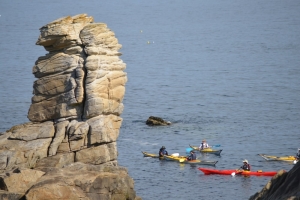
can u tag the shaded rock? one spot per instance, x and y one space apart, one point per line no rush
59 161
22 153
157 121
33 131
58 93
19 180
60 134
104 129
5 195
97 155
283 186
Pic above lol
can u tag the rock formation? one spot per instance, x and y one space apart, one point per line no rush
68 149
157 121
283 186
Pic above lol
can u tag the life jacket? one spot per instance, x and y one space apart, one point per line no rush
162 152
246 167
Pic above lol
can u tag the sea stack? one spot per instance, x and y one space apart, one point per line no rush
68 149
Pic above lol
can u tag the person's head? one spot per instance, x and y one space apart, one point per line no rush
245 161
203 141
299 149
163 147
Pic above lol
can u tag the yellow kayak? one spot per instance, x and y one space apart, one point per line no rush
174 158
182 159
278 158
152 155
207 150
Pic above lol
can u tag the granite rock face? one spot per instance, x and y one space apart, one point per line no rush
68 150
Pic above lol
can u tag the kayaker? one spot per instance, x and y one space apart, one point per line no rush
246 166
192 156
203 145
298 154
162 151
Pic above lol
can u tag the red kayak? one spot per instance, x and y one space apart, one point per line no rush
208 171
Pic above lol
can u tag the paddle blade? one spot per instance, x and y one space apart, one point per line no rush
181 160
233 174
216 145
188 150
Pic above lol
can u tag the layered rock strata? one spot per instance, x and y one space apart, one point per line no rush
68 149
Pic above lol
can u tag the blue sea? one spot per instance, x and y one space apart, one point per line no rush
224 71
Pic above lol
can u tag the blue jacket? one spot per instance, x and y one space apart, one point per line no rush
162 152
192 156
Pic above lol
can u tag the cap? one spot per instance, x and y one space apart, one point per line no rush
163 147
246 161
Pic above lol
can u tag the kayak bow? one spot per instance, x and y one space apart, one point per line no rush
152 155
277 158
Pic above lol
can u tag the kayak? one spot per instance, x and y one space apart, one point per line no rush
207 150
174 158
152 155
278 158
208 171
182 159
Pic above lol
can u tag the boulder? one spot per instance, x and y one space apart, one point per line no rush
157 121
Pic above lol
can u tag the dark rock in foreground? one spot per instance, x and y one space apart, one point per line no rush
283 186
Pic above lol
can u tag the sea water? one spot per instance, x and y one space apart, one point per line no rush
224 71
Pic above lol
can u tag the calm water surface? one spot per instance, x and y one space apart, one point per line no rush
226 71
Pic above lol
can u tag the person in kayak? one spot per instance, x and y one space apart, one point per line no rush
162 151
246 166
203 145
192 156
298 154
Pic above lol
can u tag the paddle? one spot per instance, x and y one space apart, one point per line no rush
295 161
216 145
237 172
